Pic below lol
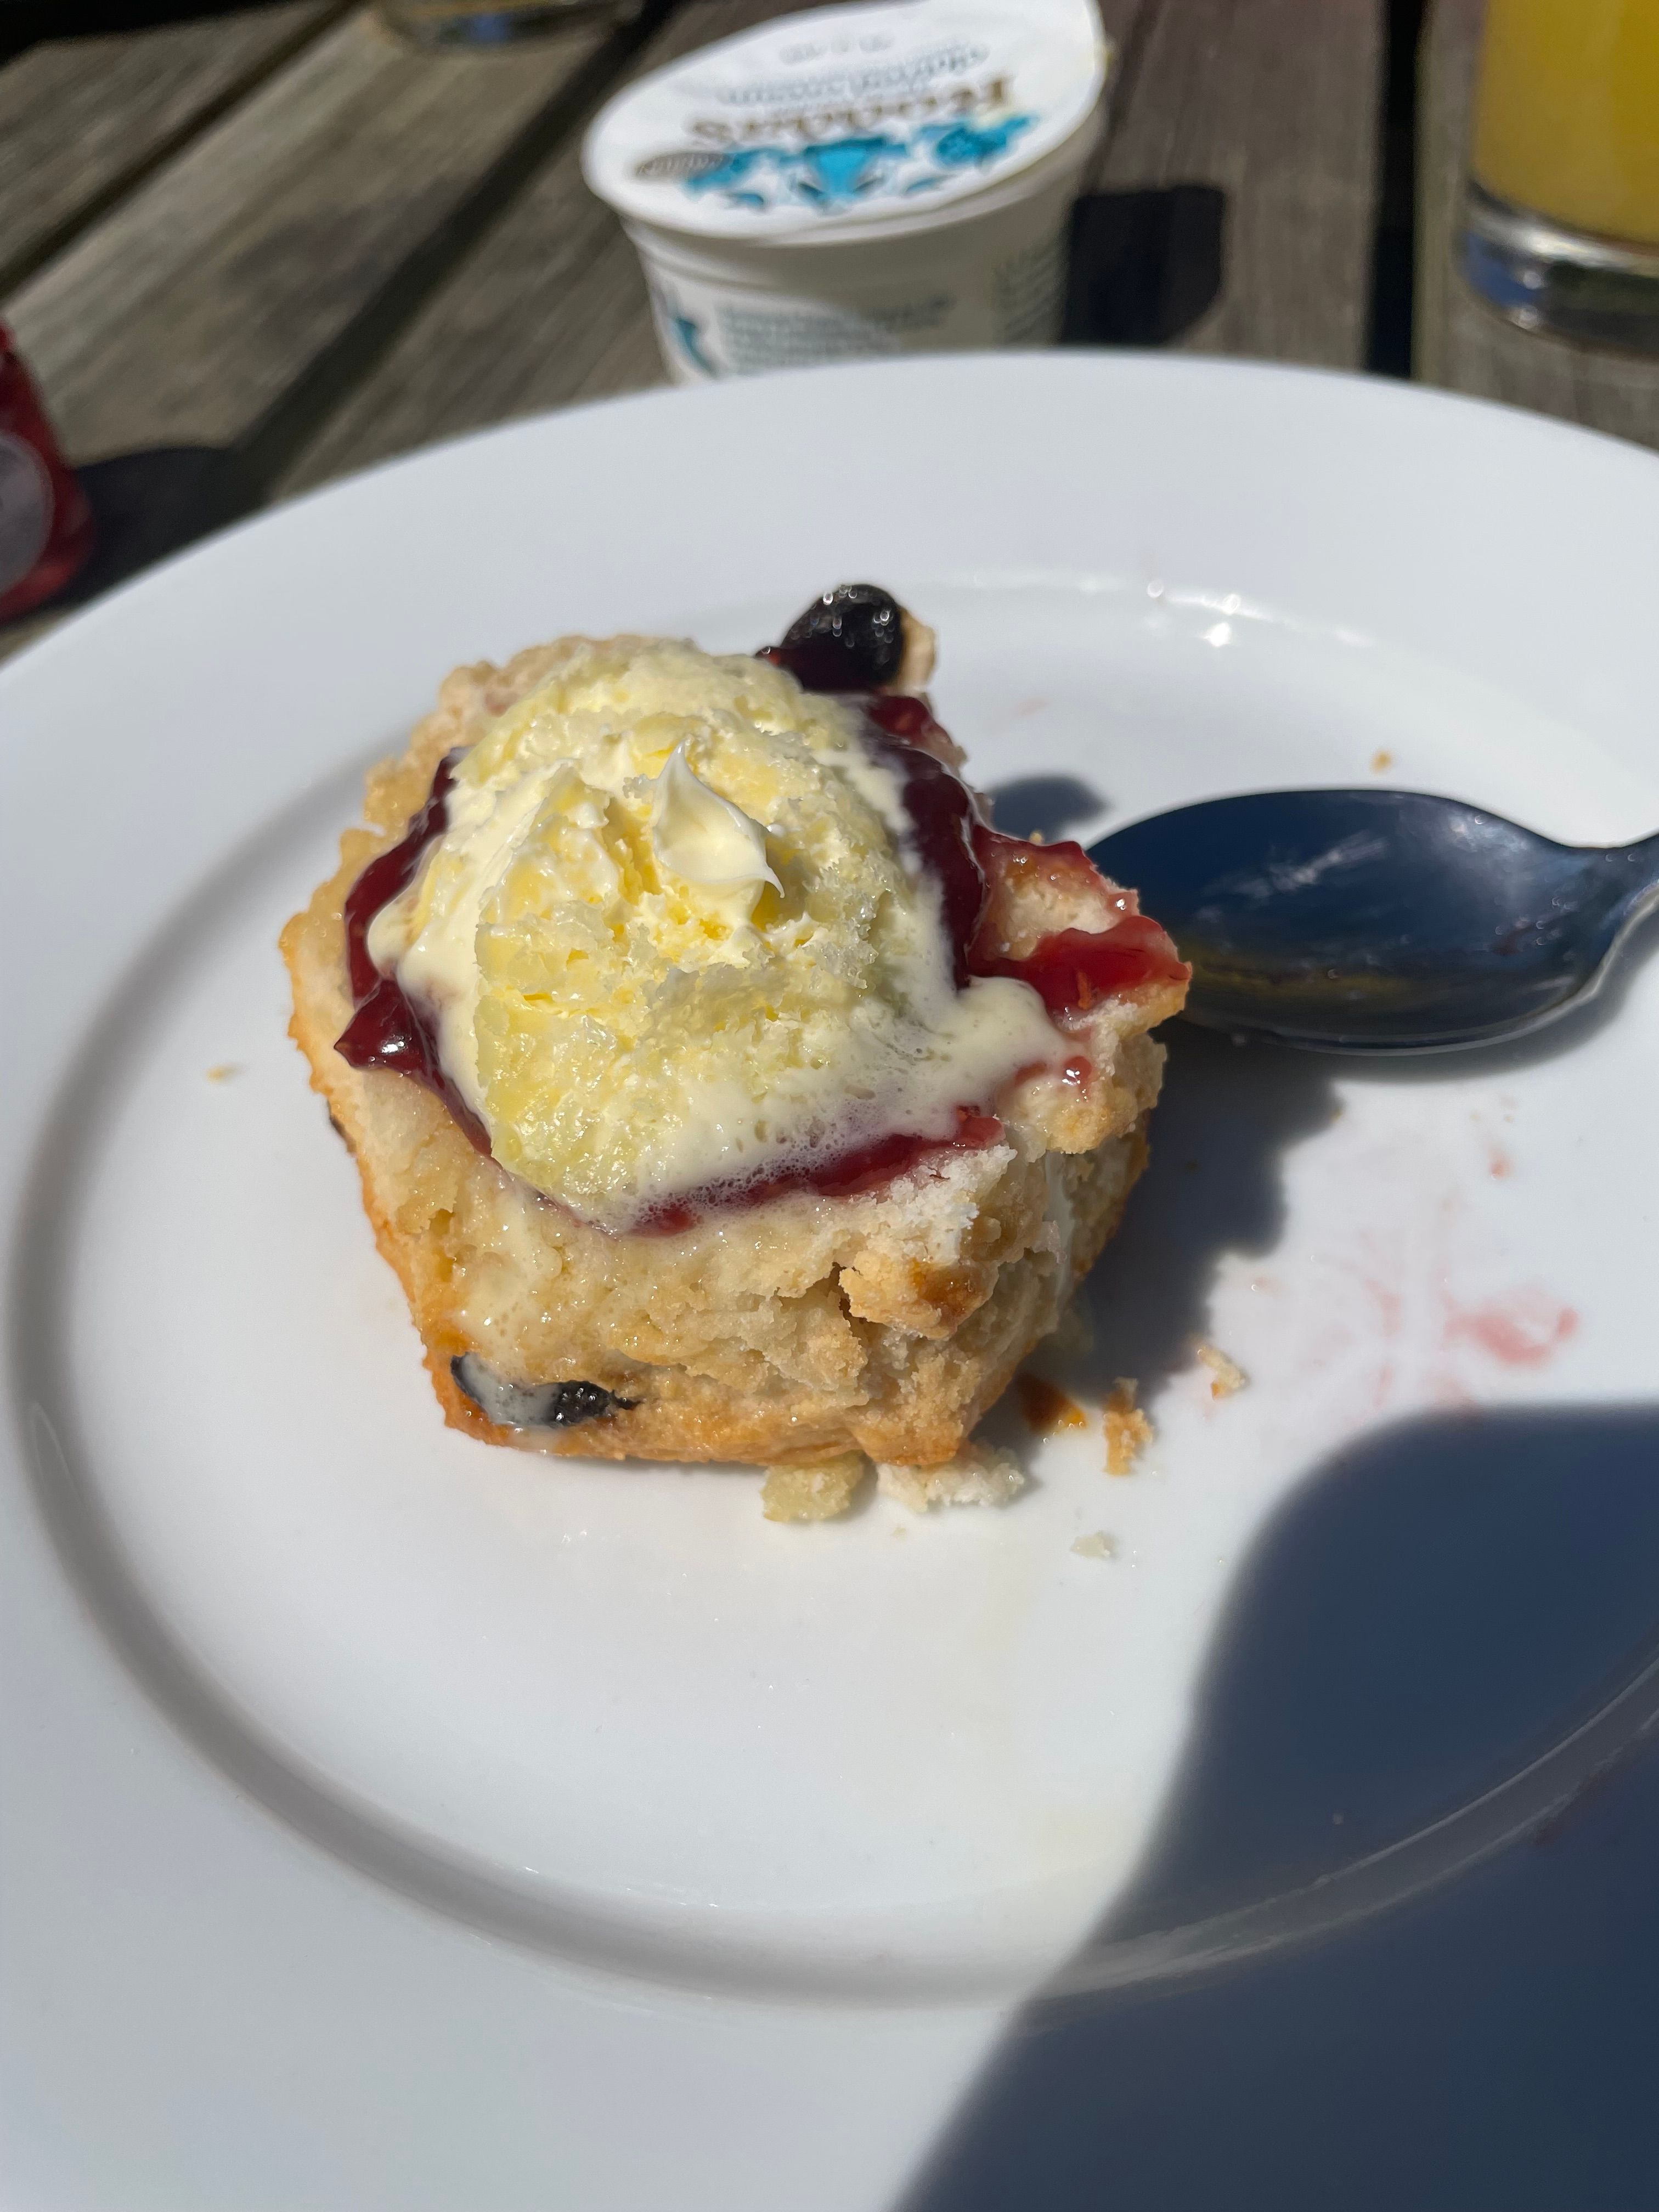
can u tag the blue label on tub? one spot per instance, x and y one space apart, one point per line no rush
835 173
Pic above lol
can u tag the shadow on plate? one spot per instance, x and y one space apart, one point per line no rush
1436 1608
1226 1116
1044 806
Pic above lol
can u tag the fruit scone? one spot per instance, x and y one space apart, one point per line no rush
723 1086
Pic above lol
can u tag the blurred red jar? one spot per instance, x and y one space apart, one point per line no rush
46 524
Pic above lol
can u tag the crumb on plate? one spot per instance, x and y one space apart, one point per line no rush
1097 1546
1226 1375
1128 1432
979 1474
813 1493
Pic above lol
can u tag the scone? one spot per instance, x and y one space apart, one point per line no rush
723 1086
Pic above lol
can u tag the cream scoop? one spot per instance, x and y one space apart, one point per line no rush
675 937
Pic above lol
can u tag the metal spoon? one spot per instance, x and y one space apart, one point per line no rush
1379 921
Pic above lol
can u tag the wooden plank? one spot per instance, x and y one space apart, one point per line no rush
81 120
1277 104
227 298
1458 341
549 311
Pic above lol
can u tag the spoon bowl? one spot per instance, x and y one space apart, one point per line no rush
1379 921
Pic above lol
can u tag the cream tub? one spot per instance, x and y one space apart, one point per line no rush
858 181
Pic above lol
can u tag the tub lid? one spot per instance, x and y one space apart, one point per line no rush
845 118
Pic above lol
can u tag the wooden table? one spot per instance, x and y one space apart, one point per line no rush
247 253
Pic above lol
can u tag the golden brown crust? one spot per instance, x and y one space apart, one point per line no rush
789 1332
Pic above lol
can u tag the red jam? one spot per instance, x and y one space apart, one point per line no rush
977 869
943 816
845 1175
387 1030
1075 969
1072 970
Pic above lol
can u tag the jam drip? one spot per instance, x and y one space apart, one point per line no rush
977 867
943 816
1074 970
387 1030
1070 969
843 1175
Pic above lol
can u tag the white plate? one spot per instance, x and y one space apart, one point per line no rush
583 1779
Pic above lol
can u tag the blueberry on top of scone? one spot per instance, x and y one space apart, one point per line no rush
766 1101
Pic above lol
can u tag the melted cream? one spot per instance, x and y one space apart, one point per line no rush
705 840
675 936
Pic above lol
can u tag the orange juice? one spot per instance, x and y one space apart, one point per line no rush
1566 120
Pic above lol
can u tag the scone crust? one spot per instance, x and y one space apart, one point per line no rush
793 1330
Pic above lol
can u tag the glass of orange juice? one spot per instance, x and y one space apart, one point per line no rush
1561 214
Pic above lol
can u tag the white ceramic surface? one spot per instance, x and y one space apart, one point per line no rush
595 1767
